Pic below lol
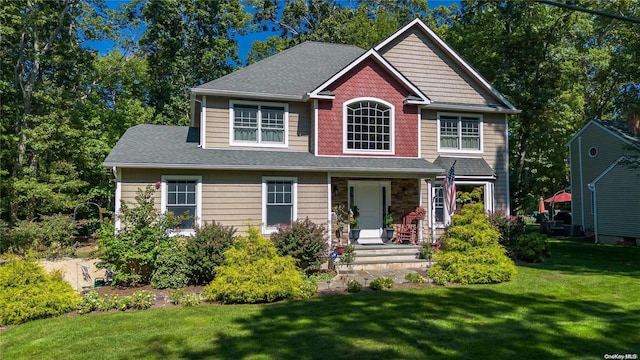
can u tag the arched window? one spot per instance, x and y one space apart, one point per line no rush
369 126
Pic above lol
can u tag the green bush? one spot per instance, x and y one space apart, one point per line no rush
532 247
309 287
144 230
184 298
108 302
381 283
142 300
253 272
27 292
48 236
427 250
90 302
205 249
509 227
353 286
415 278
305 241
471 253
171 267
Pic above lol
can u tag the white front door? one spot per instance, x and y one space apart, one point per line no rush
368 197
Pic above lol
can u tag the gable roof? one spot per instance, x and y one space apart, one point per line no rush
287 75
457 59
176 147
417 96
616 128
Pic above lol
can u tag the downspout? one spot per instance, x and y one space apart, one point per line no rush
116 222
592 187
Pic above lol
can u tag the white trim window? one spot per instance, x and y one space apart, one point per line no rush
279 202
182 195
252 124
459 133
368 126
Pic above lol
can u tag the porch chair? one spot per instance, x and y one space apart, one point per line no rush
407 232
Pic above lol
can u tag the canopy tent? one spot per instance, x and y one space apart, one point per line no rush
559 197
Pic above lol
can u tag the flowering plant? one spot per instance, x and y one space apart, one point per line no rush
354 216
420 213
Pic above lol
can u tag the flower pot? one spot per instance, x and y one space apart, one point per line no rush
355 234
389 233
340 249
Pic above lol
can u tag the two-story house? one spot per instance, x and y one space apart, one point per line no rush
321 125
605 186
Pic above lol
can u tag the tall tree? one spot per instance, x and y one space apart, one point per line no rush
186 43
534 55
44 76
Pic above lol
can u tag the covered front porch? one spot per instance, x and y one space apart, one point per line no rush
373 205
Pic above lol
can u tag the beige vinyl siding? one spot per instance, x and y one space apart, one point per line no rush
433 71
618 201
234 198
494 148
217 125
217 122
609 150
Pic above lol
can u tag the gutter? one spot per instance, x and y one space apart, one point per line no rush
405 171
458 107
252 95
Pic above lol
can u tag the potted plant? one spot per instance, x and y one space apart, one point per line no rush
354 217
420 213
388 224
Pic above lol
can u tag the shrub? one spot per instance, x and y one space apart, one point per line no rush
205 249
108 302
184 298
381 283
532 247
27 292
144 230
253 272
305 241
142 300
353 286
427 250
48 236
309 287
509 227
171 267
415 278
470 251
89 302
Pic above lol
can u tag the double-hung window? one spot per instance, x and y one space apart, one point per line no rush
181 196
460 132
279 202
258 124
368 127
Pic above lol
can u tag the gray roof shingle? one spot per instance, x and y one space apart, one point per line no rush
621 128
160 146
291 73
466 166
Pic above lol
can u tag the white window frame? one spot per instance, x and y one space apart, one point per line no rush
163 199
258 142
392 112
479 117
294 199
488 200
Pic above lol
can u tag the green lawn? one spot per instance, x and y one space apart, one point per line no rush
582 303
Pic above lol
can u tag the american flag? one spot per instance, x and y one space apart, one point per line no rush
450 190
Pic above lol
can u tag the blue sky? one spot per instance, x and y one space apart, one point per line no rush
244 42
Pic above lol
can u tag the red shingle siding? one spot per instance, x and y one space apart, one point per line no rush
367 80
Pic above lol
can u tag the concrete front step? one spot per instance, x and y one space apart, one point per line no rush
385 257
